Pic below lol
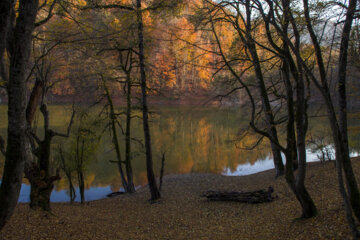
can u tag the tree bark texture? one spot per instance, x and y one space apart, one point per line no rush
128 166
155 194
17 126
42 183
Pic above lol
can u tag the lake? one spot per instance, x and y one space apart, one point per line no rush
194 140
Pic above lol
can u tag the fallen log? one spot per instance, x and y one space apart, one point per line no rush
259 196
114 194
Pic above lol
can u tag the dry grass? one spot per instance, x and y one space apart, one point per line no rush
183 214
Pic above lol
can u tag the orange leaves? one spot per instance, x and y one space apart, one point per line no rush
164 68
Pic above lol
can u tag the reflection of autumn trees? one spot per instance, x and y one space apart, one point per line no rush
195 140
201 142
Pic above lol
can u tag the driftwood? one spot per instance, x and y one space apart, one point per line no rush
259 196
114 194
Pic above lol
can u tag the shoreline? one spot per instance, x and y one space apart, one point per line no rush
183 214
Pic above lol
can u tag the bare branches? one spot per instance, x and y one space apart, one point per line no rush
107 6
50 14
68 128
163 4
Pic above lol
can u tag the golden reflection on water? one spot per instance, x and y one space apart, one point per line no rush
200 140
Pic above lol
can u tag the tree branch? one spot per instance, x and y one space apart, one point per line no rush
2 146
49 16
107 6
69 127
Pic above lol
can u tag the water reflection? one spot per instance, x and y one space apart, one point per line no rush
200 140
92 193
267 163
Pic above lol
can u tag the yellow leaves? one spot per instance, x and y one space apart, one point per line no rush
81 3
89 179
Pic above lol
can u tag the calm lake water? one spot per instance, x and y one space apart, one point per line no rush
194 139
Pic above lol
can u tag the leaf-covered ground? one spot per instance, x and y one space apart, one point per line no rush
184 214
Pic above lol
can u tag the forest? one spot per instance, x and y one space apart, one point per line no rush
158 104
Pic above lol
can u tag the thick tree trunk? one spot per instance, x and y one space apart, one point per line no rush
16 150
42 183
39 177
297 185
278 163
309 209
307 204
40 194
155 194
296 143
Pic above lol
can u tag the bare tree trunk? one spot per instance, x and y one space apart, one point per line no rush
296 184
16 152
42 183
129 172
79 168
271 130
308 205
6 9
81 185
34 100
115 136
352 203
309 209
68 174
155 194
346 164
339 128
270 124
162 171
